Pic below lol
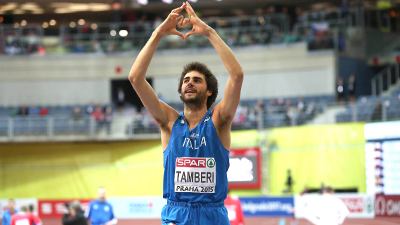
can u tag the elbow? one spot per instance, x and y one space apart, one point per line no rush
237 73
133 78
239 76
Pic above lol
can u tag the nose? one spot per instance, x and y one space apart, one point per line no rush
190 82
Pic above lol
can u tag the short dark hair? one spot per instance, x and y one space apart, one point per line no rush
211 80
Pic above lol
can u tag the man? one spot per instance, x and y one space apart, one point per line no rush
325 209
23 217
196 141
289 182
74 215
99 211
10 210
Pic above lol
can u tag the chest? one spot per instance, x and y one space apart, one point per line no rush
196 139
101 208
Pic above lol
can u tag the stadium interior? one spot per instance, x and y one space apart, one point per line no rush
320 104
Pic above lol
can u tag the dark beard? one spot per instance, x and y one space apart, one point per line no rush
193 102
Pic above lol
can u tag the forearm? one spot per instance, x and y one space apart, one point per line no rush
225 53
142 61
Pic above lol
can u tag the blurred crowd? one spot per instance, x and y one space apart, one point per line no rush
105 119
316 24
250 114
24 215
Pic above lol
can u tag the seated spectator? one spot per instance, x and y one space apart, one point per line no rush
98 116
77 113
44 111
108 116
23 111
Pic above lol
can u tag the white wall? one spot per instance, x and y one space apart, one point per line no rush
270 71
54 92
271 85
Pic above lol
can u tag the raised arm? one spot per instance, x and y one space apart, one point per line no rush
161 112
227 107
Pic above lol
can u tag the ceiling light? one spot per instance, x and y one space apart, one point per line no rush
29 6
16 25
37 11
64 7
72 24
93 26
9 6
113 33
53 22
123 33
99 7
23 23
45 24
81 22
145 2
167 1
62 10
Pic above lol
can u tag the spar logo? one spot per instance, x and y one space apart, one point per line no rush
210 163
195 162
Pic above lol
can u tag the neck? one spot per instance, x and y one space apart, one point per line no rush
193 115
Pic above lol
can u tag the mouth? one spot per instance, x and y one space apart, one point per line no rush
190 91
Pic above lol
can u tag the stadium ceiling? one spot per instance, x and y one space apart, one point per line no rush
18 7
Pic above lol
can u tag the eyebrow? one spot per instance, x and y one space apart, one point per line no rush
194 77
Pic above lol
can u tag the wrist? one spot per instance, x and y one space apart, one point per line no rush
157 34
210 31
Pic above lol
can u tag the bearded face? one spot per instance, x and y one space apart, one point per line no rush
194 89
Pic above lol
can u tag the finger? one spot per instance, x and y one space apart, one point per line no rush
189 9
179 9
178 33
173 15
189 34
180 20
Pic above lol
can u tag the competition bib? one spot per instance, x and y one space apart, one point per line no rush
197 175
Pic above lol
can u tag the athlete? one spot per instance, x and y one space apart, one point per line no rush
195 141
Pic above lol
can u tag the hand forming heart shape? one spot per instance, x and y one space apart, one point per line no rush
176 21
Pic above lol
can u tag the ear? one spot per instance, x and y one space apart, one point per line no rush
209 93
